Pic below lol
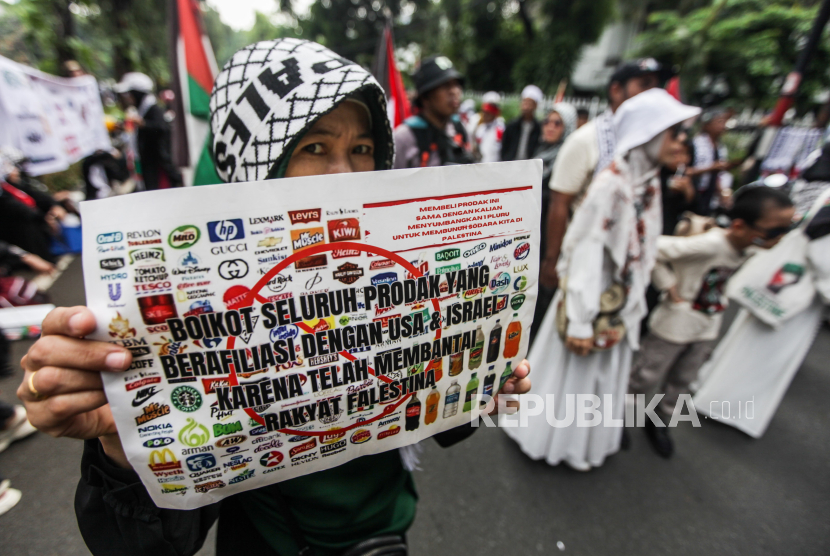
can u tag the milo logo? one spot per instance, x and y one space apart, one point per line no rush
447 255
184 237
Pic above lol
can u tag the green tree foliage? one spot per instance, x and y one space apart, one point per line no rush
498 44
108 37
750 45
352 28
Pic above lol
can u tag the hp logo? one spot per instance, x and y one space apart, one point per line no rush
226 230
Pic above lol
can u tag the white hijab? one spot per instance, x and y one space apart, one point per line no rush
622 209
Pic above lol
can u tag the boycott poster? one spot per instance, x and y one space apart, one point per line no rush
288 326
54 121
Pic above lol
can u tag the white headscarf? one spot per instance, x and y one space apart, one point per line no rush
622 210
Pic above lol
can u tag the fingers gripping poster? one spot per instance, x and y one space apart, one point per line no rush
283 327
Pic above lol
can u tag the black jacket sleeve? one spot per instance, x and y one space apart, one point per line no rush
117 517
510 141
454 436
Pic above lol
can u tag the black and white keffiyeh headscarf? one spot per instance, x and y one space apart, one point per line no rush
270 93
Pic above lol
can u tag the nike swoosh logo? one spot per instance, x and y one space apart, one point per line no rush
137 402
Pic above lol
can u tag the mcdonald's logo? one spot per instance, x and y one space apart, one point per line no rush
163 460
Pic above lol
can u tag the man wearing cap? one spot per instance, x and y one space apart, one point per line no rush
153 135
711 162
587 151
435 137
489 131
522 134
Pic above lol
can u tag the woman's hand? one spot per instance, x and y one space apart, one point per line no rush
62 387
518 383
579 346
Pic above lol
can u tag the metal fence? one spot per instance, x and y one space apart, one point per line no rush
745 120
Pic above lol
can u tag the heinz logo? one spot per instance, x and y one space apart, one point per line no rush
447 255
304 216
522 251
112 237
226 230
385 278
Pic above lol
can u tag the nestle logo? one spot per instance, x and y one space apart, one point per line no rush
304 216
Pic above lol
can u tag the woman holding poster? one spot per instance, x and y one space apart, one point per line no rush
585 346
366 503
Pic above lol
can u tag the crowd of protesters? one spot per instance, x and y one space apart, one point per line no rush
631 290
38 227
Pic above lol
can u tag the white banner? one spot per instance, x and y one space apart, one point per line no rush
54 121
283 327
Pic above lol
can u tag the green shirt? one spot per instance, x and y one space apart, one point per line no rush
337 508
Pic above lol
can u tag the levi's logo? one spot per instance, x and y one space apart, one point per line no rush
304 216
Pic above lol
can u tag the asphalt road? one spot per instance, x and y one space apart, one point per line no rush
723 493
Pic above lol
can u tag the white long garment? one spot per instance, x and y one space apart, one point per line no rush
611 239
596 250
755 363
558 373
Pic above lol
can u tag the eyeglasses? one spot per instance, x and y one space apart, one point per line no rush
677 130
772 233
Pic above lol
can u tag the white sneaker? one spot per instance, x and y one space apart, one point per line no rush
20 428
9 497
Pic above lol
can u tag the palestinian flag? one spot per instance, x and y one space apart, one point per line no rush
387 74
194 71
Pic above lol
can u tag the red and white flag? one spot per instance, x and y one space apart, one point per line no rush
386 72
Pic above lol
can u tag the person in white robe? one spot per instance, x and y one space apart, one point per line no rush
784 293
611 241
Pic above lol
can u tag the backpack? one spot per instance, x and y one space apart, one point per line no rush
455 150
